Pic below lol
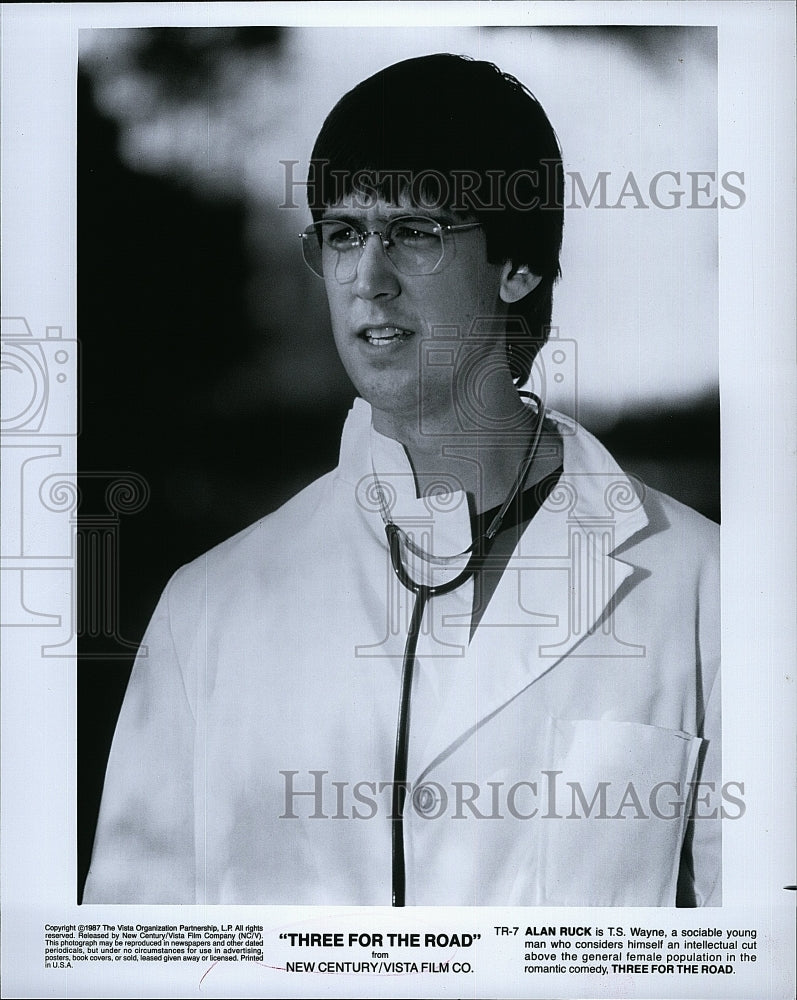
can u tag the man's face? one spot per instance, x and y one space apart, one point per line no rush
383 320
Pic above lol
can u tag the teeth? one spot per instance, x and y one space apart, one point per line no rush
385 335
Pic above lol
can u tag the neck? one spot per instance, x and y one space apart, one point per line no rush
483 459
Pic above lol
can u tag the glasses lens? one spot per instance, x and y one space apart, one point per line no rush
414 244
331 247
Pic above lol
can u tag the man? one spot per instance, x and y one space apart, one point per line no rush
474 665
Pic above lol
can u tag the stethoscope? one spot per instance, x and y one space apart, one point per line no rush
478 549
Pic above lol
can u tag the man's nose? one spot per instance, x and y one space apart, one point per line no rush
375 274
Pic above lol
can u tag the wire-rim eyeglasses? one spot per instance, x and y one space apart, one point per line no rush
414 244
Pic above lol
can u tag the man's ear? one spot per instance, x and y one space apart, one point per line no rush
517 282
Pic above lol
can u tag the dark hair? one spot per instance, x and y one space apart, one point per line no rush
458 133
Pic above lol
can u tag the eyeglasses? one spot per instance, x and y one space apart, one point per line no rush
414 244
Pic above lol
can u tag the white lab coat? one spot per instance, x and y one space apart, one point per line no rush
271 669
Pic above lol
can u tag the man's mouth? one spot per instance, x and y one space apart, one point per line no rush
383 336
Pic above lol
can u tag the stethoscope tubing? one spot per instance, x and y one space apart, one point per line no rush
402 749
423 594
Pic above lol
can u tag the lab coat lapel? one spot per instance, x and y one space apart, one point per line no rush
552 595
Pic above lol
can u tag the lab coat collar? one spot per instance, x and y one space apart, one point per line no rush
563 569
593 489
378 466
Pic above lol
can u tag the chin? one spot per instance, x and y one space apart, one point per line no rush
391 406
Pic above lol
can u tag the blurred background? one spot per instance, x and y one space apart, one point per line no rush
208 366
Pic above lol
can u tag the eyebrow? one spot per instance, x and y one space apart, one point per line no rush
442 216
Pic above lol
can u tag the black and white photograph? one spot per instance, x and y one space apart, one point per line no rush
391 472
367 695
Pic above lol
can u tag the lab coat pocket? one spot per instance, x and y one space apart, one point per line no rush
616 803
